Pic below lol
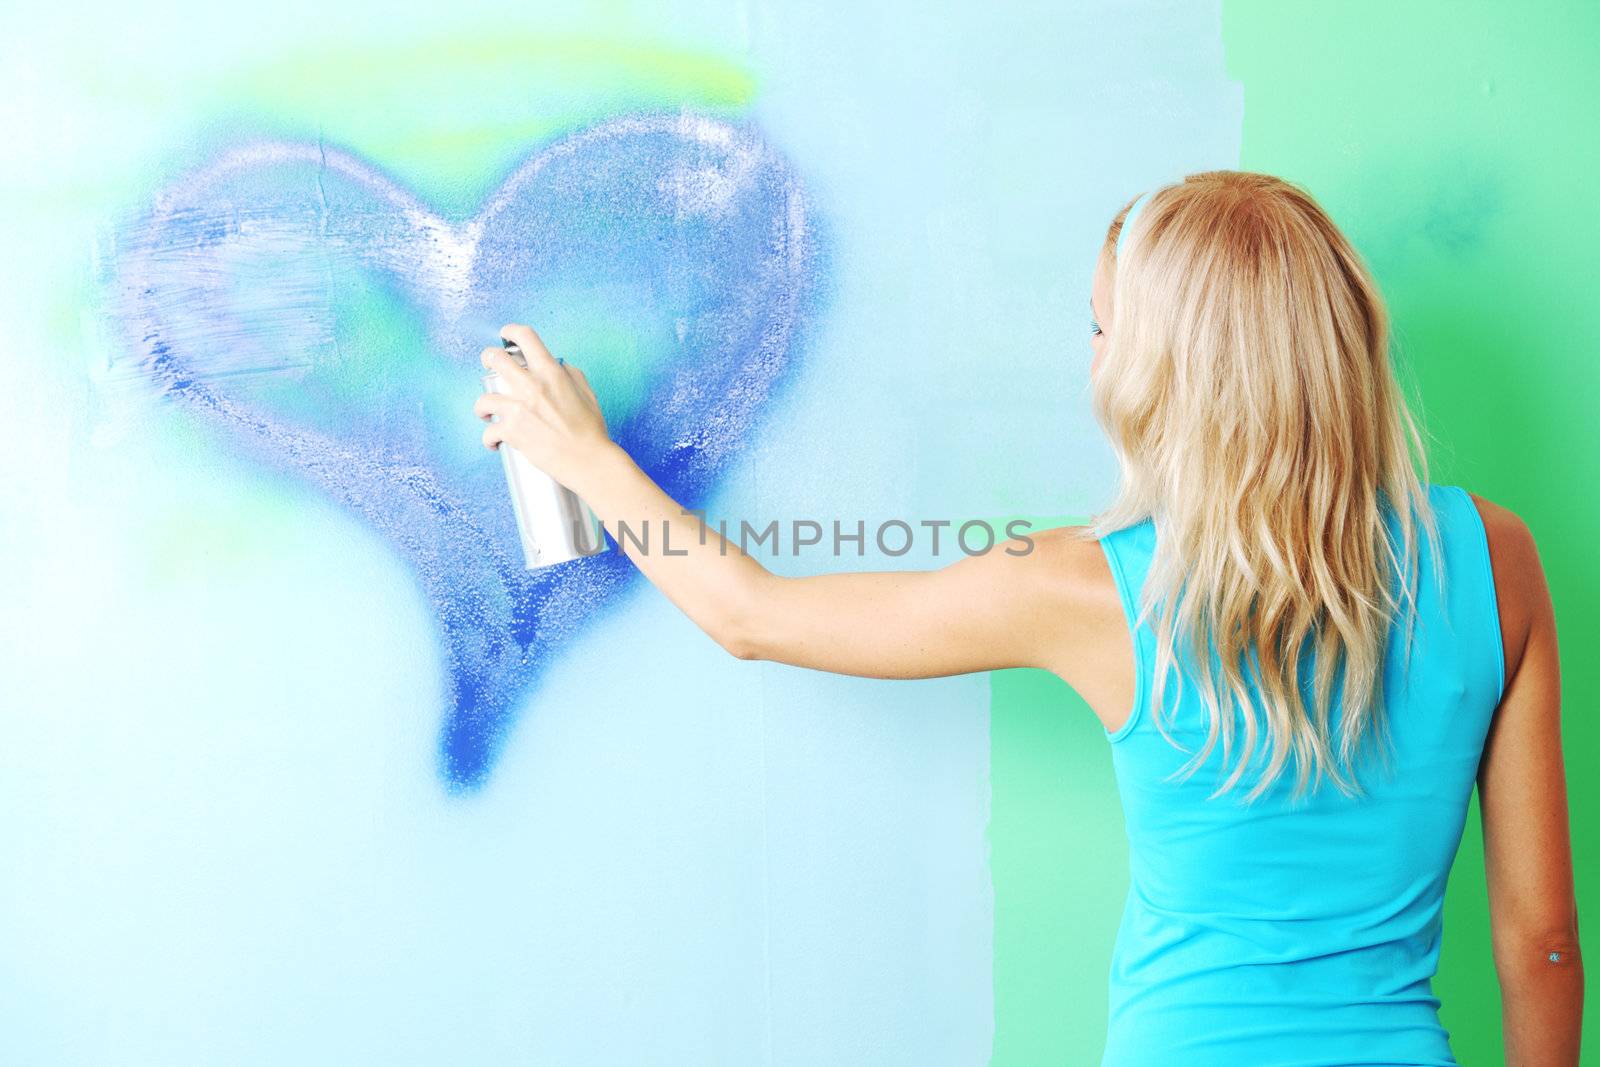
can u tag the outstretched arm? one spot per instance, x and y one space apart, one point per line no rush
1008 607
1002 608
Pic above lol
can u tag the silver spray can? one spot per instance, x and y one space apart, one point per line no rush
554 524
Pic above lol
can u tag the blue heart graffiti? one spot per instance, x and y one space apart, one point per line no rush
227 295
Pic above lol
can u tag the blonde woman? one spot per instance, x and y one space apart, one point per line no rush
1373 645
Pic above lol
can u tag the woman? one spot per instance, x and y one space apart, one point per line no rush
1375 644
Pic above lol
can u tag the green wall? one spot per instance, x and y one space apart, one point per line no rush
1456 144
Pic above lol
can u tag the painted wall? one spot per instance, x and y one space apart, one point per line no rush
301 766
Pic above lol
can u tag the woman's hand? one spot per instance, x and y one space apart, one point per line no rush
547 412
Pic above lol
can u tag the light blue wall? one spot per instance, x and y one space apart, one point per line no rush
230 825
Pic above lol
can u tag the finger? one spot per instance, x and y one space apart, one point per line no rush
540 362
492 435
501 405
513 375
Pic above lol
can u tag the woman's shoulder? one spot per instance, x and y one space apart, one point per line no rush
1078 557
1499 521
1512 548
1095 654
1518 573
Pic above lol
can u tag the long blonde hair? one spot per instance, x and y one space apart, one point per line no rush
1248 393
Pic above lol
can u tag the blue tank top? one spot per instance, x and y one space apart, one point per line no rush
1302 934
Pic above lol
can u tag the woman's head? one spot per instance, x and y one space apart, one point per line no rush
1242 373
1234 256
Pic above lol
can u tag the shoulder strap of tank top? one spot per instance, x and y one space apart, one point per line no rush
1128 553
1474 604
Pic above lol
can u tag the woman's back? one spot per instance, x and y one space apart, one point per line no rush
1303 932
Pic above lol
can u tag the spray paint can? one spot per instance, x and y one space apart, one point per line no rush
554 525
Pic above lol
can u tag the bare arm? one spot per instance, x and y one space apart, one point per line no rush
1021 604
1523 800
1008 607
